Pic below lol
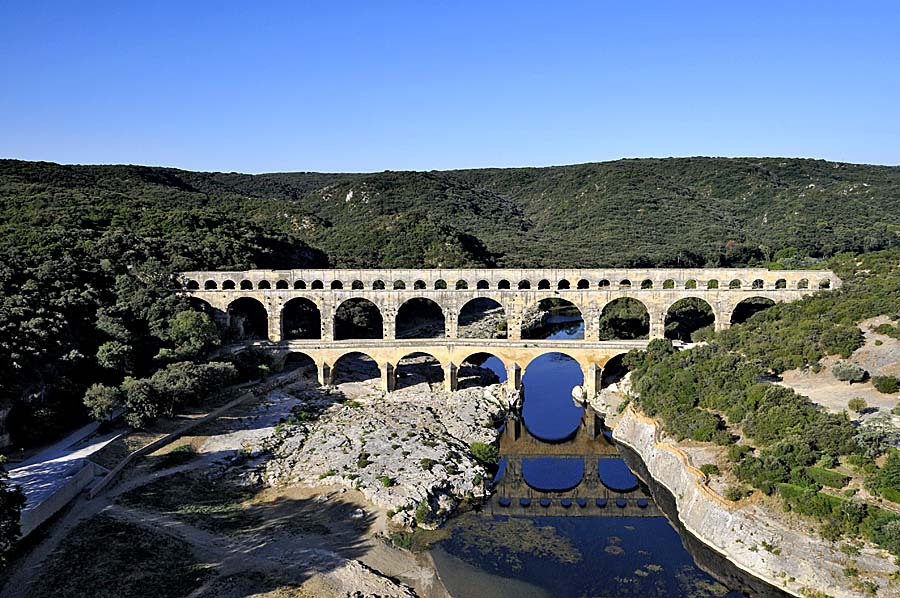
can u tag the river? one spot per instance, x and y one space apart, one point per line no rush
586 545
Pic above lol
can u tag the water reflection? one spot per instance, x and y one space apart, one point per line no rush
548 409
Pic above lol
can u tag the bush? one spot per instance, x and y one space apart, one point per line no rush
422 511
848 372
826 477
709 469
886 384
486 454
857 404
386 481
735 493
102 400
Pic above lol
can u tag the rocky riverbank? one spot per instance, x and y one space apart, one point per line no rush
407 452
753 536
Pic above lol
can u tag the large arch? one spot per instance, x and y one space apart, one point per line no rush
624 318
548 411
248 319
301 318
553 317
747 308
482 317
295 360
480 369
687 316
357 318
420 318
354 366
417 368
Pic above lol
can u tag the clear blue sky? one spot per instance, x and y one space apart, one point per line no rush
366 86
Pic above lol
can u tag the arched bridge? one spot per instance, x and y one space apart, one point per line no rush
387 293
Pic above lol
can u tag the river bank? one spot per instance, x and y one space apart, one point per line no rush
751 534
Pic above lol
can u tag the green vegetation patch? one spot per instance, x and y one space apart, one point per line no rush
826 477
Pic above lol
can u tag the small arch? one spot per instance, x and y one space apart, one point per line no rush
480 369
357 285
247 319
378 285
354 366
669 284
301 319
210 285
604 284
282 284
687 316
482 285
647 284
296 360
246 285
264 284
192 285
690 284
482 318
336 285
584 284
420 285
503 285
757 284
625 284
563 285
418 368
712 284
461 285
228 285
624 318
524 284
553 316
803 283
749 307
317 285
357 318
420 318
399 285
825 284
440 285
544 284
781 283
734 284
299 285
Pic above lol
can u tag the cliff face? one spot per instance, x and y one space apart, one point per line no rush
749 535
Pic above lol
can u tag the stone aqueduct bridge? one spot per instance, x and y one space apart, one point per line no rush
515 290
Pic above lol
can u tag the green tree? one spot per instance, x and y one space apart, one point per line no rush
194 333
116 356
857 404
102 400
848 372
12 500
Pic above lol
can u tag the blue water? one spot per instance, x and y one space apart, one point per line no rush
615 475
553 474
495 365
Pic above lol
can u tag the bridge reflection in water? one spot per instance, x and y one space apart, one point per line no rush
582 476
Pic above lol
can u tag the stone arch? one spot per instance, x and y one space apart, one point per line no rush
317 285
712 284
825 283
690 284
210 285
228 285
192 285
264 284
299 285
420 317
554 315
735 284
613 370
548 410
503 285
440 284
378 285
757 284
668 284
563 285
248 319
748 307
246 285
201 305
461 285
357 318
420 285
354 366
482 285
803 283
604 284
625 284
301 319
357 285
624 318
282 284
482 317
417 368
481 369
584 284
686 316
336 285
544 284
297 360
781 283
399 285
524 284
646 284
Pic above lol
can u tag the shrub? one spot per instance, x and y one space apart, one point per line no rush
102 400
857 404
826 477
709 469
735 493
886 384
486 454
422 511
386 481
848 372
